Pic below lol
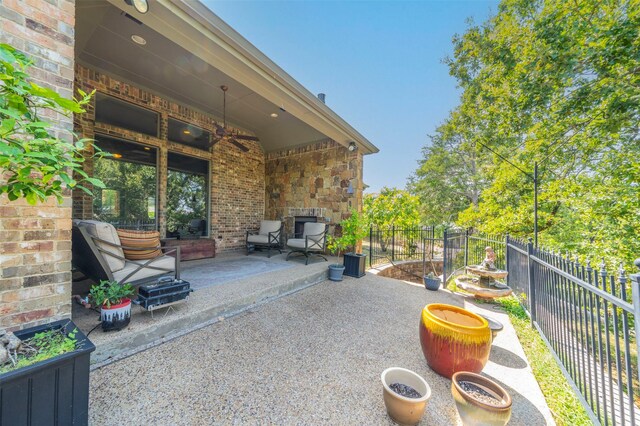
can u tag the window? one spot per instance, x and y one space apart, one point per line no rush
110 110
187 196
130 176
188 134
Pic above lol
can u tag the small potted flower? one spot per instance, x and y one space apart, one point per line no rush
114 300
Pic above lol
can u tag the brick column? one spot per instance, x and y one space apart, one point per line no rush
35 241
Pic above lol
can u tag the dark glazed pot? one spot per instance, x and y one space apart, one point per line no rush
475 412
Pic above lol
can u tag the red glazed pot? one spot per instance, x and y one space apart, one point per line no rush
454 339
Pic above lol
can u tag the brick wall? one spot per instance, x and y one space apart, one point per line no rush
316 175
35 246
237 178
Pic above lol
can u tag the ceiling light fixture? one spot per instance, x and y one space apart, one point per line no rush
186 131
352 146
138 39
274 115
117 155
146 148
141 6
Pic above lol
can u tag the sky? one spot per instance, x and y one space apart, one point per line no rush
378 62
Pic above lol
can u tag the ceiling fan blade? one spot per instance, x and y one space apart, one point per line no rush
239 145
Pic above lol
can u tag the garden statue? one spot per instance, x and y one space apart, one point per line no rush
489 262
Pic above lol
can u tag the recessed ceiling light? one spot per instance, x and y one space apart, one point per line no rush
186 131
141 6
274 115
138 39
146 148
117 155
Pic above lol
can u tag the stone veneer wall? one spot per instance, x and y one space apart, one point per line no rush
237 178
316 175
35 246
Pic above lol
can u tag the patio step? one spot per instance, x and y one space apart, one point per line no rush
205 307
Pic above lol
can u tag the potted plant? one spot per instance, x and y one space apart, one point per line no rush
431 281
480 400
114 300
44 375
405 395
335 245
354 229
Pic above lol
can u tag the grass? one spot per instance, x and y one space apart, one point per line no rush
562 401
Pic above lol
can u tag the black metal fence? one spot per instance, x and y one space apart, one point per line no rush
587 316
397 244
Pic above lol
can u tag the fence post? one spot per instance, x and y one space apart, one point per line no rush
532 283
444 258
370 246
466 247
393 243
635 294
506 257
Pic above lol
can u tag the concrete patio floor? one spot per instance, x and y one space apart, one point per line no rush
222 287
313 357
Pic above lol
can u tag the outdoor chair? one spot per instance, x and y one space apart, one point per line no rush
312 243
269 236
98 253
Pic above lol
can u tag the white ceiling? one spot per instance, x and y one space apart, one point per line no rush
103 42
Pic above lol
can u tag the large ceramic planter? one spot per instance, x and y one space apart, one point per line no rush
354 264
51 392
117 316
454 339
403 410
335 272
475 411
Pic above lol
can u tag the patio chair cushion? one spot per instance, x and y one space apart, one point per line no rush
258 239
165 262
314 228
129 238
296 243
267 226
105 231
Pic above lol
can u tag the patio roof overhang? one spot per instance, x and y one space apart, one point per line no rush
189 53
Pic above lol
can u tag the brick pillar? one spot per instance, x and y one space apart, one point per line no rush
35 241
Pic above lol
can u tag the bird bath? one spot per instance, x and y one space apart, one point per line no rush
481 280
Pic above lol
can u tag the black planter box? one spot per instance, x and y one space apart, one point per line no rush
50 392
354 264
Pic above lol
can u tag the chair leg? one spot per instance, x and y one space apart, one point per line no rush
307 256
269 252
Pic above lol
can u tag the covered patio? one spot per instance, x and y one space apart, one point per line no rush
206 136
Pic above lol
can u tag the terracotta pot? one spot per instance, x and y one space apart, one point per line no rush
454 339
403 410
473 411
117 316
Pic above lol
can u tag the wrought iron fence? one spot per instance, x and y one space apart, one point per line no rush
454 258
586 317
397 244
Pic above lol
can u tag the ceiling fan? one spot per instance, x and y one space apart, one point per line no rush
222 133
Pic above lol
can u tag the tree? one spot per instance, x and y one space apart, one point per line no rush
392 206
556 83
34 162
449 176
